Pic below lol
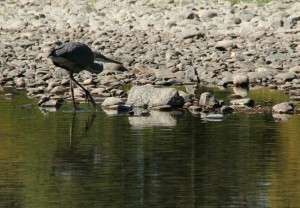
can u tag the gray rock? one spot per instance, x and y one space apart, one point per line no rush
243 102
208 100
112 101
195 109
286 76
226 109
225 45
58 90
241 80
51 104
191 74
284 108
149 96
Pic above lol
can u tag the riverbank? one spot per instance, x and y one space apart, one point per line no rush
160 43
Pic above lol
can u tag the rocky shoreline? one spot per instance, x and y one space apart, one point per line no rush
160 42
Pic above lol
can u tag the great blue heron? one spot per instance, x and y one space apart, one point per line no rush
75 57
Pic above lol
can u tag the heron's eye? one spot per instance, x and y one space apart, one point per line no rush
57 43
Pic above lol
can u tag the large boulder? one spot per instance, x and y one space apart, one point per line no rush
150 96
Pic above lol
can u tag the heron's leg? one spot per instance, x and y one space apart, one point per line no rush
87 93
72 90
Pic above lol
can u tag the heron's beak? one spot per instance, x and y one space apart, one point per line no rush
101 58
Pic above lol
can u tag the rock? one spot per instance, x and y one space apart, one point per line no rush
243 102
284 108
225 45
43 99
226 109
286 76
157 118
51 104
241 80
208 100
191 74
162 108
112 101
149 96
281 116
241 91
212 117
58 90
195 109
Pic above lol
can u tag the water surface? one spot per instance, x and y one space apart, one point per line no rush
93 159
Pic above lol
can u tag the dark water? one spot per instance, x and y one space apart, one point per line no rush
165 160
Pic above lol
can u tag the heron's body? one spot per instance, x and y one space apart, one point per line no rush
75 57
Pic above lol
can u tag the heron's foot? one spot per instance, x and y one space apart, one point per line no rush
89 98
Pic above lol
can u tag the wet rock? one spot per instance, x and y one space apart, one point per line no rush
213 117
162 108
8 96
243 102
157 118
195 109
284 108
281 116
43 99
241 91
226 109
208 100
51 104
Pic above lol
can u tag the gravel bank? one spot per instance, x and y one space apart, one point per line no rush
160 42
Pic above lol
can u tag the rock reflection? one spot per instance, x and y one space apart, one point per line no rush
242 91
282 116
156 118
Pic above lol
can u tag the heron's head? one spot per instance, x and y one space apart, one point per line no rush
101 58
95 68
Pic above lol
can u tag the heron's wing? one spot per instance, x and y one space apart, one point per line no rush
104 59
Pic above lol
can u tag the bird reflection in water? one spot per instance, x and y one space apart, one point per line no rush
74 161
